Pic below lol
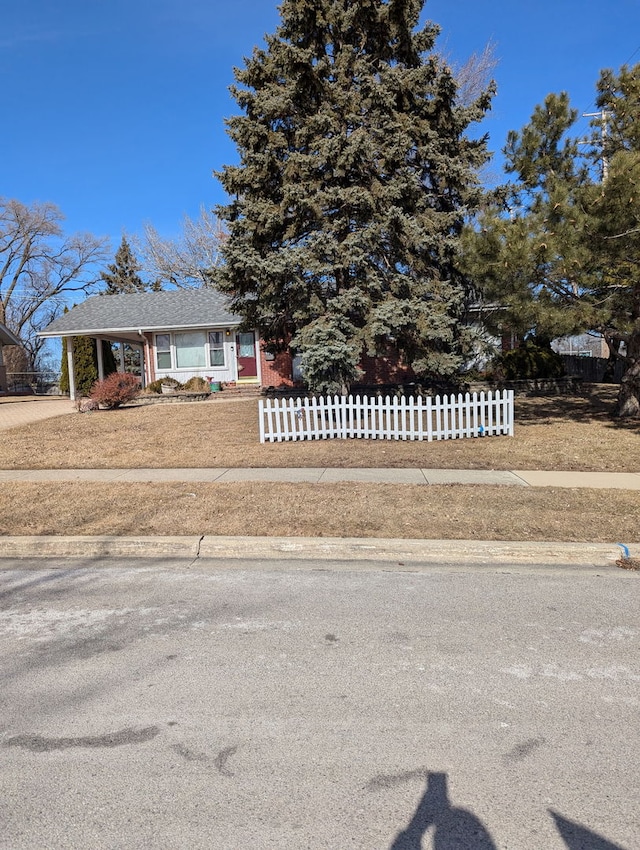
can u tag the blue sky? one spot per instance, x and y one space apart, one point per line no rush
114 110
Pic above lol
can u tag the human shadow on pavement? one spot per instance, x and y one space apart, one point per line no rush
454 828
578 837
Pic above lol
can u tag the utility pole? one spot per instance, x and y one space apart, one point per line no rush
604 131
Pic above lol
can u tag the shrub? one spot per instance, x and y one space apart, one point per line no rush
531 361
116 389
156 386
197 385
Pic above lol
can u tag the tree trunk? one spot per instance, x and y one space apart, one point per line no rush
629 395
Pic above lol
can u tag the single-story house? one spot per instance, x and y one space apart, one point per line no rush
180 334
191 332
6 338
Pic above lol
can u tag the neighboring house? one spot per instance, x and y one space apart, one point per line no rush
582 345
180 334
6 338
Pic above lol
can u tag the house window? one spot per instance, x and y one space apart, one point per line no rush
163 351
216 348
190 350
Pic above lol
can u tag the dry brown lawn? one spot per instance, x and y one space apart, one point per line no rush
550 433
322 510
574 433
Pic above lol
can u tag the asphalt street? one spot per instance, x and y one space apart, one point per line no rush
145 704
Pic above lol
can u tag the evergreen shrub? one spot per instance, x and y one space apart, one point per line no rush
116 389
530 362
85 364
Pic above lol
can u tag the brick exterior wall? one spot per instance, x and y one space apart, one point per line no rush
276 372
509 341
377 370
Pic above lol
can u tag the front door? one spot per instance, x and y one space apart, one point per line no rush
246 354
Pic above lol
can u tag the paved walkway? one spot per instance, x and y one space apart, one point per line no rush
325 475
24 411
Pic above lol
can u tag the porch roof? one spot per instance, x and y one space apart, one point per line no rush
121 315
7 337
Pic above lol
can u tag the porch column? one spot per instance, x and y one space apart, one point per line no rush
121 357
71 368
143 365
100 359
3 374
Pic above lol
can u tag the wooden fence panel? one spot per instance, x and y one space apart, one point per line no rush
376 418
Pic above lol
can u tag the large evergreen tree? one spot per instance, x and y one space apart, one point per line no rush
615 229
559 250
527 248
355 177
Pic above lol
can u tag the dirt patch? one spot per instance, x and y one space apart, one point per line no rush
629 563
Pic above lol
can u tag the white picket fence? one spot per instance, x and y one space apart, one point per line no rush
447 417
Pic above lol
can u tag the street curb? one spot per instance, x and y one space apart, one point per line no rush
396 551
105 546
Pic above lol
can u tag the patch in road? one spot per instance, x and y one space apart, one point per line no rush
522 750
221 761
188 754
391 780
41 744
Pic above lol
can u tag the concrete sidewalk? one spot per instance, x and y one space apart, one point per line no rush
327 475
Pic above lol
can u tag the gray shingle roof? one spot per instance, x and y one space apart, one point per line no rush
7 337
146 311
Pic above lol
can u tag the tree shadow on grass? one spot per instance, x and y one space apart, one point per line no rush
597 406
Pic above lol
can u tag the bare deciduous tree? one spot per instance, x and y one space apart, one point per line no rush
40 266
186 262
475 76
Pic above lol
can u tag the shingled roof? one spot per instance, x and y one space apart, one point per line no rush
7 337
145 311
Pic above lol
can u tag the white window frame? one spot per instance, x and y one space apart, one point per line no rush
207 349
221 347
160 351
202 348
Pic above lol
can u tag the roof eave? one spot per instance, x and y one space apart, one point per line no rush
7 337
151 329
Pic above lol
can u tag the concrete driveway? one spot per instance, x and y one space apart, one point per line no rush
13 414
